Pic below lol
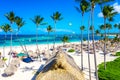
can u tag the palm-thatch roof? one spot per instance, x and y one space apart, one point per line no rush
2 63
60 67
10 69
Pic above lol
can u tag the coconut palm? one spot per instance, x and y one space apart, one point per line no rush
11 17
38 20
84 7
118 27
6 28
97 32
49 29
56 17
109 27
65 39
19 22
82 28
93 2
107 11
89 47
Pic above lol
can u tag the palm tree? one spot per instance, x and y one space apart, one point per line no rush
109 27
93 2
97 32
11 17
49 29
5 28
82 28
118 27
19 22
89 48
102 27
84 7
65 39
107 11
38 20
56 17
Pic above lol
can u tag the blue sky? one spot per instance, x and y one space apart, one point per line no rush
29 8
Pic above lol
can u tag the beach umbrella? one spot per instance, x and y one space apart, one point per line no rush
21 54
10 70
15 61
2 63
60 67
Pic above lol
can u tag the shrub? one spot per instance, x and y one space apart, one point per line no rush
117 54
71 50
112 71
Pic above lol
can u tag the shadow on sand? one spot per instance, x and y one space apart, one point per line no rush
38 71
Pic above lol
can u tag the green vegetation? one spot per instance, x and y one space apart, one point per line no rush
71 50
117 54
112 71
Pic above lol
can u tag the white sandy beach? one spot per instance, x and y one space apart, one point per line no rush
26 71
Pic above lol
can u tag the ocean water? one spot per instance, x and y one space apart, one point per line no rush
42 39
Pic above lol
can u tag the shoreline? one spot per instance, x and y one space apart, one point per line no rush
34 66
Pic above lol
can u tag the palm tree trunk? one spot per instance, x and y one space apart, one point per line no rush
4 48
20 42
11 43
81 51
105 46
89 49
10 53
82 43
95 61
54 37
37 38
48 44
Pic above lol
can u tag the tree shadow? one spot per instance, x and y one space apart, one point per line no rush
37 72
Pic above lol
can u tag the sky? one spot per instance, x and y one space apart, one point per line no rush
70 24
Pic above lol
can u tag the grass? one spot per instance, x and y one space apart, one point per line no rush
112 71
117 54
71 50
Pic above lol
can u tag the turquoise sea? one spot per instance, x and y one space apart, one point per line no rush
42 39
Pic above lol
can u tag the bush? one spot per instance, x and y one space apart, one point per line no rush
71 50
112 71
117 54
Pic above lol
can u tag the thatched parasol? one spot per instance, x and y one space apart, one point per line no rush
10 70
2 63
60 67
15 62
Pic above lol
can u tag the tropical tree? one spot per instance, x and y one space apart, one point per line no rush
82 28
49 29
38 20
107 11
109 27
6 28
19 22
56 17
65 39
11 17
83 7
118 27
97 32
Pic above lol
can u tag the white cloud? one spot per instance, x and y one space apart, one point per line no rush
100 14
116 7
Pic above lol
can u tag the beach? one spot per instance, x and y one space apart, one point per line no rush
26 71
